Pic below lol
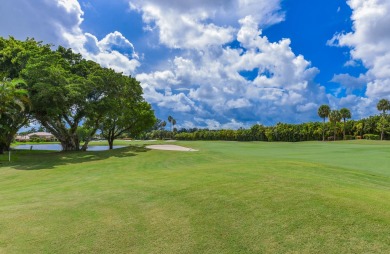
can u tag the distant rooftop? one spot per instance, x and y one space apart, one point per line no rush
40 134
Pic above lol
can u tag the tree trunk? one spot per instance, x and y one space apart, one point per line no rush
344 130
382 133
85 146
323 130
70 144
111 143
2 148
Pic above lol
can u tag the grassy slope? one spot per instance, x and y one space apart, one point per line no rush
227 198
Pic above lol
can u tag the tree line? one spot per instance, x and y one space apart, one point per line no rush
69 96
373 127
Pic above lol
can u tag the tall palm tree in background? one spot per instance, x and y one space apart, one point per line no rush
383 105
334 118
323 112
170 118
163 124
345 114
173 123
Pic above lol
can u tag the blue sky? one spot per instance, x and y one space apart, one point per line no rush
227 63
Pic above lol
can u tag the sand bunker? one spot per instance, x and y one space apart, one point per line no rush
171 148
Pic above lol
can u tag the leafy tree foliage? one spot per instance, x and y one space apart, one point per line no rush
64 91
383 105
15 54
126 109
70 96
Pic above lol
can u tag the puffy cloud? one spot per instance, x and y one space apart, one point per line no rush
309 107
215 125
41 19
359 106
58 22
369 42
350 83
266 12
198 24
113 51
378 88
185 30
208 83
238 103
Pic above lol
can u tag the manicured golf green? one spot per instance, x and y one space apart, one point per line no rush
229 197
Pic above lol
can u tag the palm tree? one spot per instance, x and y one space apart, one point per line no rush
163 124
323 112
334 118
14 108
170 118
173 123
383 105
345 114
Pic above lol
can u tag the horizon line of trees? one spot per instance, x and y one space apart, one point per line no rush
373 128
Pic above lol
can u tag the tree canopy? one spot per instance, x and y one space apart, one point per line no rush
68 92
130 118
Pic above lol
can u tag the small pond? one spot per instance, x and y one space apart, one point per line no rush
57 147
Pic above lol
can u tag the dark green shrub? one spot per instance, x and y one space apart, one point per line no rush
371 136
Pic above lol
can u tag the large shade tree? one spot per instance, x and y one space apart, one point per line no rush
69 95
323 112
345 114
64 90
383 106
126 110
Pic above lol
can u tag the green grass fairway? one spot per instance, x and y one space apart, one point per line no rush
229 197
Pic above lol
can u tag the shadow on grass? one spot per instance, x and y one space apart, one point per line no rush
38 160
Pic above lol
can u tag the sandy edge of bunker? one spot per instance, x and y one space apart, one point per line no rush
171 148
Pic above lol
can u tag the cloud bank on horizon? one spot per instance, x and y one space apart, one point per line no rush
210 63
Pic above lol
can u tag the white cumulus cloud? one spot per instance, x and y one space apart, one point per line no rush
369 42
58 22
199 24
209 83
